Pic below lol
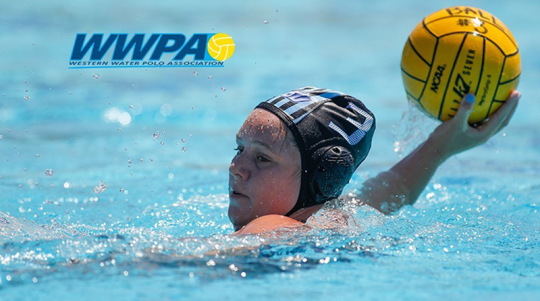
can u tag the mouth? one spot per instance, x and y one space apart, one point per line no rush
235 193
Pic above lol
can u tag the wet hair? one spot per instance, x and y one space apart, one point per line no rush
333 132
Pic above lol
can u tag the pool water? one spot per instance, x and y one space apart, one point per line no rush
113 182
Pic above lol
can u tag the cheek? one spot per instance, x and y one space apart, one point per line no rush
289 189
295 184
277 193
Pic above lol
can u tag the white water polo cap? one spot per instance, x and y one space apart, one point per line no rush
333 132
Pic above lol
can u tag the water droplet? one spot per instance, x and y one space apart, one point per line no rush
265 22
151 160
141 160
193 108
100 187
49 172
37 155
129 161
131 106
52 185
277 10
119 129
184 149
156 135
26 97
34 279
121 189
162 143
195 73
213 85
1 137
210 77
69 93
95 75
223 89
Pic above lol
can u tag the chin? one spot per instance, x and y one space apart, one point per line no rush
238 216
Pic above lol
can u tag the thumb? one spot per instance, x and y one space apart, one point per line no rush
465 108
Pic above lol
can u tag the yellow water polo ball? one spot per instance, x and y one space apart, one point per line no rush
455 51
221 47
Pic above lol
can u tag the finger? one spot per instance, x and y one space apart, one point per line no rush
509 117
465 108
497 119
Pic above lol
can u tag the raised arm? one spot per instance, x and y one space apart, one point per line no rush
404 182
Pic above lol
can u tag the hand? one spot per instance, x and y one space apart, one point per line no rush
406 180
456 135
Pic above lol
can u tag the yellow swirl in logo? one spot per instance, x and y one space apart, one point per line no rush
221 47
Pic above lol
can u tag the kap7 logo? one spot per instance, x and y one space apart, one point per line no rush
118 50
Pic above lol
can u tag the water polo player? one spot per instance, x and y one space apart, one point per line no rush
298 150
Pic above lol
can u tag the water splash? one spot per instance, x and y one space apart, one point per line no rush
413 129
100 187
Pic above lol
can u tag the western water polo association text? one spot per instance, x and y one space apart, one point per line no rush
142 64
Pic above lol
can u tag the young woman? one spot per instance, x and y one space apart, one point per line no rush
298 150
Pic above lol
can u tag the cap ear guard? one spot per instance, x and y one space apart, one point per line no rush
333 171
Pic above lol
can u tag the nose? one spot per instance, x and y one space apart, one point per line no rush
239 169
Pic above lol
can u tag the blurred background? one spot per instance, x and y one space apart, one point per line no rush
165 134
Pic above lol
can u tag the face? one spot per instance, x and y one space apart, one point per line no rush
264 176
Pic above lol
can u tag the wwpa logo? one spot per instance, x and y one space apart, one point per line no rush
156 50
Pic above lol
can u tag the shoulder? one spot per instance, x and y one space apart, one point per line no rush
269 223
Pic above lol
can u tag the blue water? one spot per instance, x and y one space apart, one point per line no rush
160 229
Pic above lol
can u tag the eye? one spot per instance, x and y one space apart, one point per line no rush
262 159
